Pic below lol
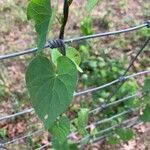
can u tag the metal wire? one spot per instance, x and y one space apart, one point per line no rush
111 83
124 123
114 117
95 124
98 123
147 24
29 51
128 68
22 137
109 119
94 140
82 93
98 109
16 114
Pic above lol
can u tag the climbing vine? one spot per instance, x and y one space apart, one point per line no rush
51 81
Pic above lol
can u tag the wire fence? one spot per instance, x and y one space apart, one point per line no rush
12 116
101 135
102 132
121 80
22 137
29 51
95 124
127 123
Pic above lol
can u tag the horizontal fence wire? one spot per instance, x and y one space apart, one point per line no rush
119 80
16 114
21 137
139 93
109 129
131 110
98 109
128 68
82 93
104 133
111 83
95 124
29 51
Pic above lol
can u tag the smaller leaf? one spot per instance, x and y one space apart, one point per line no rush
125 134
113 140
87 26
91 4
145 117
82 120
40 12
71 53
74 55
61 129
55 54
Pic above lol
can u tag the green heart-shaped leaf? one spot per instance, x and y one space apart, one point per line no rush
40 11
51 88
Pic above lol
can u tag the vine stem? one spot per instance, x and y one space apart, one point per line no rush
64 19
63 24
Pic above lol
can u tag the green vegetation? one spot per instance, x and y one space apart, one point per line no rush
98 63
